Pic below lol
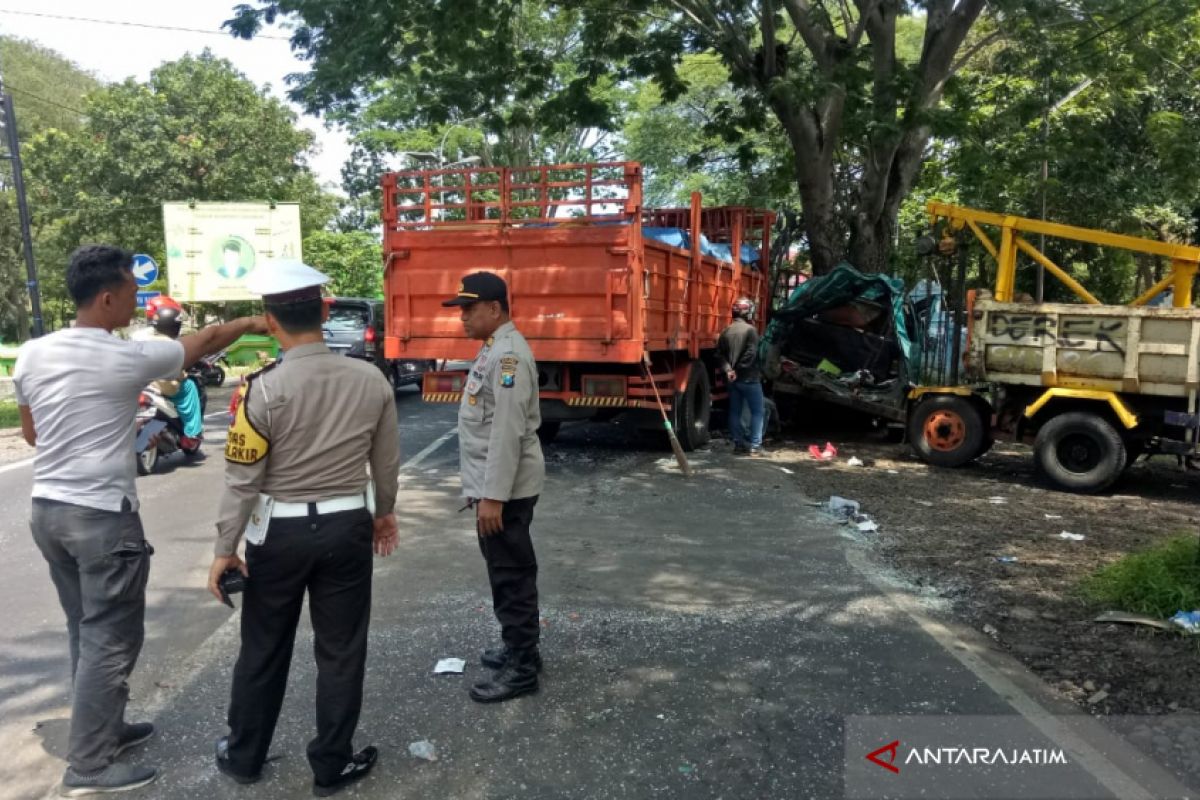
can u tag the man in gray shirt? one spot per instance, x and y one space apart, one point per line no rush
77 391
737 350
502 468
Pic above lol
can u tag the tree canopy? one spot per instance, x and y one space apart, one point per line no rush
47 92
196 130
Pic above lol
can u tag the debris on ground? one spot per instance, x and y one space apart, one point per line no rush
1007 559
1188 621
855 461
998 501
1125 618
939 533
449 666
423 750
828 454
842 507
1074 537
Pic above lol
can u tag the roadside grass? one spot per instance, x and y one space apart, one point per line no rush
1157 582
9 416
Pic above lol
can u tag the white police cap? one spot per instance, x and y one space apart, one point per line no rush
286 280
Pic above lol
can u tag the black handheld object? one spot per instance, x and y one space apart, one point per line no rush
231 581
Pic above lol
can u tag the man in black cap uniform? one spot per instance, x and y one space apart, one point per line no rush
500 459
296 481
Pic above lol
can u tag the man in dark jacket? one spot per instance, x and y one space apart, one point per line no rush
738 351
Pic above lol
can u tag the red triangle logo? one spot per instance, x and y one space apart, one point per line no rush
890 750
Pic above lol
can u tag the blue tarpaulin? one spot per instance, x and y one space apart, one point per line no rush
678 237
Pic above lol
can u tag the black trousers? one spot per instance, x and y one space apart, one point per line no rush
329 557
512 572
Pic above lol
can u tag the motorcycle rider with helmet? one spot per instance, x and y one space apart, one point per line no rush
165 317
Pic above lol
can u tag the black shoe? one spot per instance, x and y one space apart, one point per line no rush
519 676
497 657
224 765
133 734
356 769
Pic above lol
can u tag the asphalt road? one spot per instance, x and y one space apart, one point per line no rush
717 637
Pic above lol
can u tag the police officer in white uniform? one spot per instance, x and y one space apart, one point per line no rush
503 471
304 434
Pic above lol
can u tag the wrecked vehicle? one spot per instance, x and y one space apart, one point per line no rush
1094 385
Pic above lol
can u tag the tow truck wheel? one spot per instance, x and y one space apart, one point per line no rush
947 430
1079 452
692 409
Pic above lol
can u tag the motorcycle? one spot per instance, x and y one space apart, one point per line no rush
210 370
160 429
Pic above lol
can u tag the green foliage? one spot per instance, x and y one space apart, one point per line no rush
1158 582
684 149
353 260
10 417
45 86
423 118
196 130
1114 116
851 87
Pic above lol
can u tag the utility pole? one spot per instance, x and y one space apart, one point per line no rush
14 156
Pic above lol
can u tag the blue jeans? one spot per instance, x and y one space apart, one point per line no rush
750 394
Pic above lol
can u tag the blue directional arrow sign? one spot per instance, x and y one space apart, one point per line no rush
145 269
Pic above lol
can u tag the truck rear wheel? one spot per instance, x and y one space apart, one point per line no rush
947 430
1080 452
692 409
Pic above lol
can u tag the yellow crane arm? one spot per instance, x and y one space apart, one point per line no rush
1185 259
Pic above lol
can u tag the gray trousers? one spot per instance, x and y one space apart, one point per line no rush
99 562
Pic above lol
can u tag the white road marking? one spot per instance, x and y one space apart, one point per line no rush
416 460
16 465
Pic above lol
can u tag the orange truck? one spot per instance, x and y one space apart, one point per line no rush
615 299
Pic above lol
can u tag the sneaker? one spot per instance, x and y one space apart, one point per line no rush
740 450
356 769
113 778
756 452
134 734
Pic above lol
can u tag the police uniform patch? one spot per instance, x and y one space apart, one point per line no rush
508 371
245 445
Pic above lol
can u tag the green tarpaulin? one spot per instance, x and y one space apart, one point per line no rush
843 285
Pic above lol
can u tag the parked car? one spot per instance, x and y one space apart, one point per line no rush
355 329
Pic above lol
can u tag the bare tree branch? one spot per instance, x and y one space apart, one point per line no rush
973 51
866 10
816 37
844 10
768 36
